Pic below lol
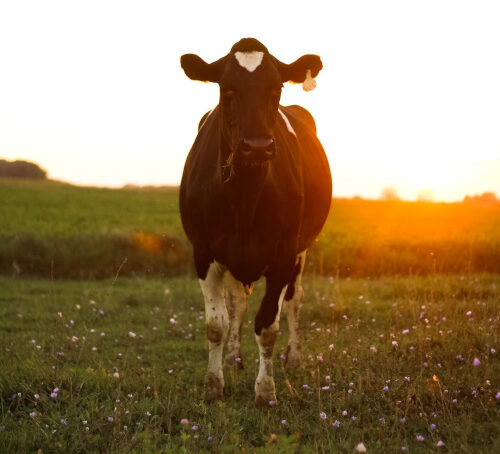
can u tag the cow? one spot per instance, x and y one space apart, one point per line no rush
255 193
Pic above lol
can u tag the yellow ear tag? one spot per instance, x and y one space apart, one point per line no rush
309 84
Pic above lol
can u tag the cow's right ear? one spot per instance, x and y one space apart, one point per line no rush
198 69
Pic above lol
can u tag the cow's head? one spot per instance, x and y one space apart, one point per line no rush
250 81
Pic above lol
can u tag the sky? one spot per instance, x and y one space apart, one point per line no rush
409 96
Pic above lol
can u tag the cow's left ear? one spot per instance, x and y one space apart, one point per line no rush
297 71
198 69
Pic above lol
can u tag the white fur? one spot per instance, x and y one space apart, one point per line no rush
216 316
249 60
287 122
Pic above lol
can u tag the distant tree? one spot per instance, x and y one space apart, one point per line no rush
21 169
389 193
486 198
425 195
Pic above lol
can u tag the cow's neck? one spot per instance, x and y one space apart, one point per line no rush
243 186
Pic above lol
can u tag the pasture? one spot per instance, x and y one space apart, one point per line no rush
55 230
117 366
400 331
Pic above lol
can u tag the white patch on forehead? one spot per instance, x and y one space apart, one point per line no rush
287 122
249 60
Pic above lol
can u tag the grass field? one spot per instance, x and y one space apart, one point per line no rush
399 364
50 229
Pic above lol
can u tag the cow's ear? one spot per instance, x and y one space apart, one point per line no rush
198 69
297 71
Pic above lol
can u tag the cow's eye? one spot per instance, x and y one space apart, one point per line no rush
227 93
276 92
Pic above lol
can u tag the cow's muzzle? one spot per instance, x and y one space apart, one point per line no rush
256 150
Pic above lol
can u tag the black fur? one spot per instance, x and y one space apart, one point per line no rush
254 217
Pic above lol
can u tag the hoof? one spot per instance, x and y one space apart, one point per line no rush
264 402
214 388
293 358
265 393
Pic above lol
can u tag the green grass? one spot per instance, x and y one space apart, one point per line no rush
51 229
50 336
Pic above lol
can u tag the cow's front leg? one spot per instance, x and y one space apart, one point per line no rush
266 332
237 308
217 325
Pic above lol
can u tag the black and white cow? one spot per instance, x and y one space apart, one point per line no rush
255 193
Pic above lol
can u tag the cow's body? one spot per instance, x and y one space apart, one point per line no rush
252 210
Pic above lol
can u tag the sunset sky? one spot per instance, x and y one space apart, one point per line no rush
409 96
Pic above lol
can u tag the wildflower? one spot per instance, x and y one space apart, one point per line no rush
403 448
63 421
497 397
405 331
476 362
331 347
386 388
184 421
440 444
116 375
322 415
283 421
272 402
344 413
420 438
326 388
60 314
354 418
382 420
110 419
131 334
84 422
74 339
273 438
209 438
319 358
360 447
37 396
402 420
336 423
469 313
195 428
33 414
394 343
373 349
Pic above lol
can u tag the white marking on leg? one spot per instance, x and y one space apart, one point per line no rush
264 384
249 60
238 305
287 123
292 311
216 320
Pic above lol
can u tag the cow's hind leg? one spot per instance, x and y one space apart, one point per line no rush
292 306
237 302
217 326
266 332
